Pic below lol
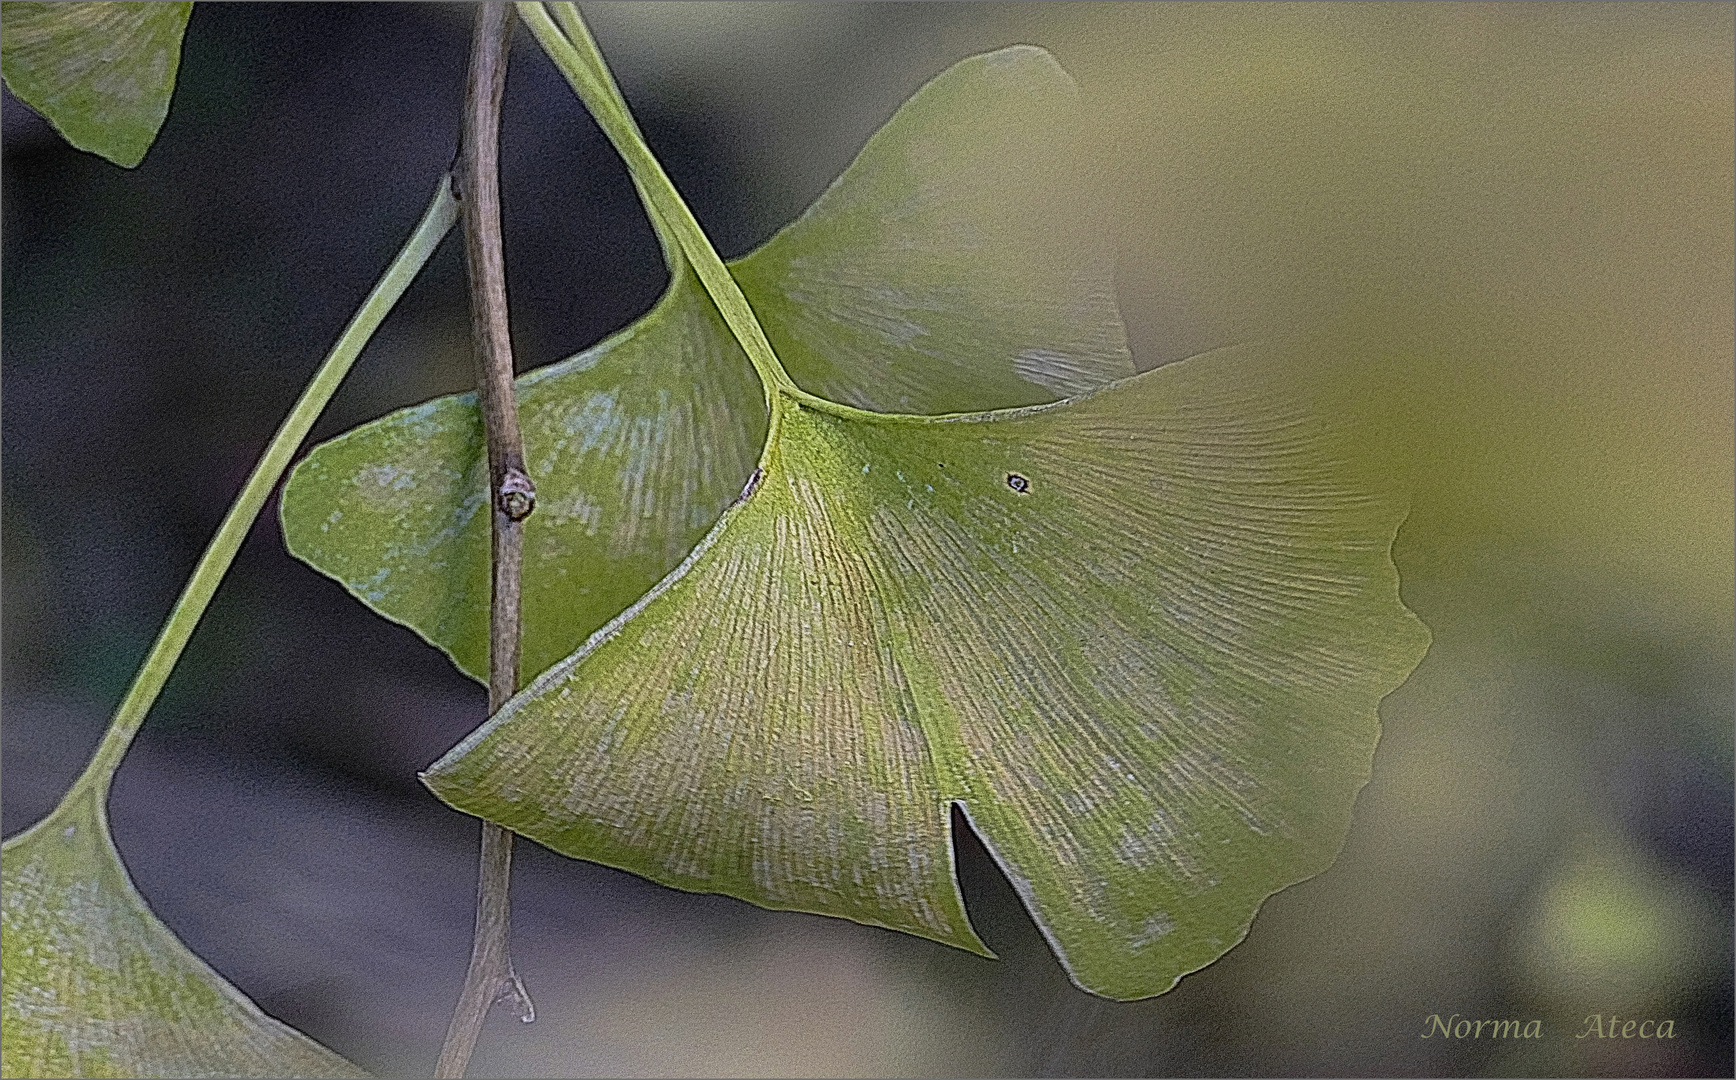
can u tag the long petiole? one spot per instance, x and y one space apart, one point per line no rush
220 553
570 45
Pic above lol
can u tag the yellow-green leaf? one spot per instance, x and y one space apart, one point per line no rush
102 73
1139 636
966 293
636 446
96 985
953 266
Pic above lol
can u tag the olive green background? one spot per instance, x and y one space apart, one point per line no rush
1514 222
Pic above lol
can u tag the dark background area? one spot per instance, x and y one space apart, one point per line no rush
1521 216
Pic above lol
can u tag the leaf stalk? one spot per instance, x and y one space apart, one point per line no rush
220 554
568 42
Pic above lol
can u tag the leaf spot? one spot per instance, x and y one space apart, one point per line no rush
752 485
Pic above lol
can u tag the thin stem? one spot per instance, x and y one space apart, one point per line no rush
220 553
570 46
604 89
491 976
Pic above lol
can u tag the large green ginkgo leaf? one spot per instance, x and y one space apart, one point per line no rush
935 275
95 985
1139 636
102 73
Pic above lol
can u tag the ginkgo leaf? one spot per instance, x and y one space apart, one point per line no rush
638 444
95 985
953 267
1139 636
102 73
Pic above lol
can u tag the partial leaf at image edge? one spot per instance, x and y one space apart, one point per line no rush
1140 636
101 73
96 985
638 444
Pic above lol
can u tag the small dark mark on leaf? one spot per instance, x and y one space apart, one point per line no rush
753 483
1018 483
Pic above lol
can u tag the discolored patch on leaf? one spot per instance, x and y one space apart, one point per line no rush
1150 678
638 444
102 73
95 985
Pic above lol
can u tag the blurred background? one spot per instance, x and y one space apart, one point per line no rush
1514 220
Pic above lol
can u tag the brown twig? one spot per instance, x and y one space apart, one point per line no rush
477 181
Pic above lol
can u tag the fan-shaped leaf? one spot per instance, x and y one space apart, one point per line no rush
954 266
95 985
1140 636
636 446
102 73
976 296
